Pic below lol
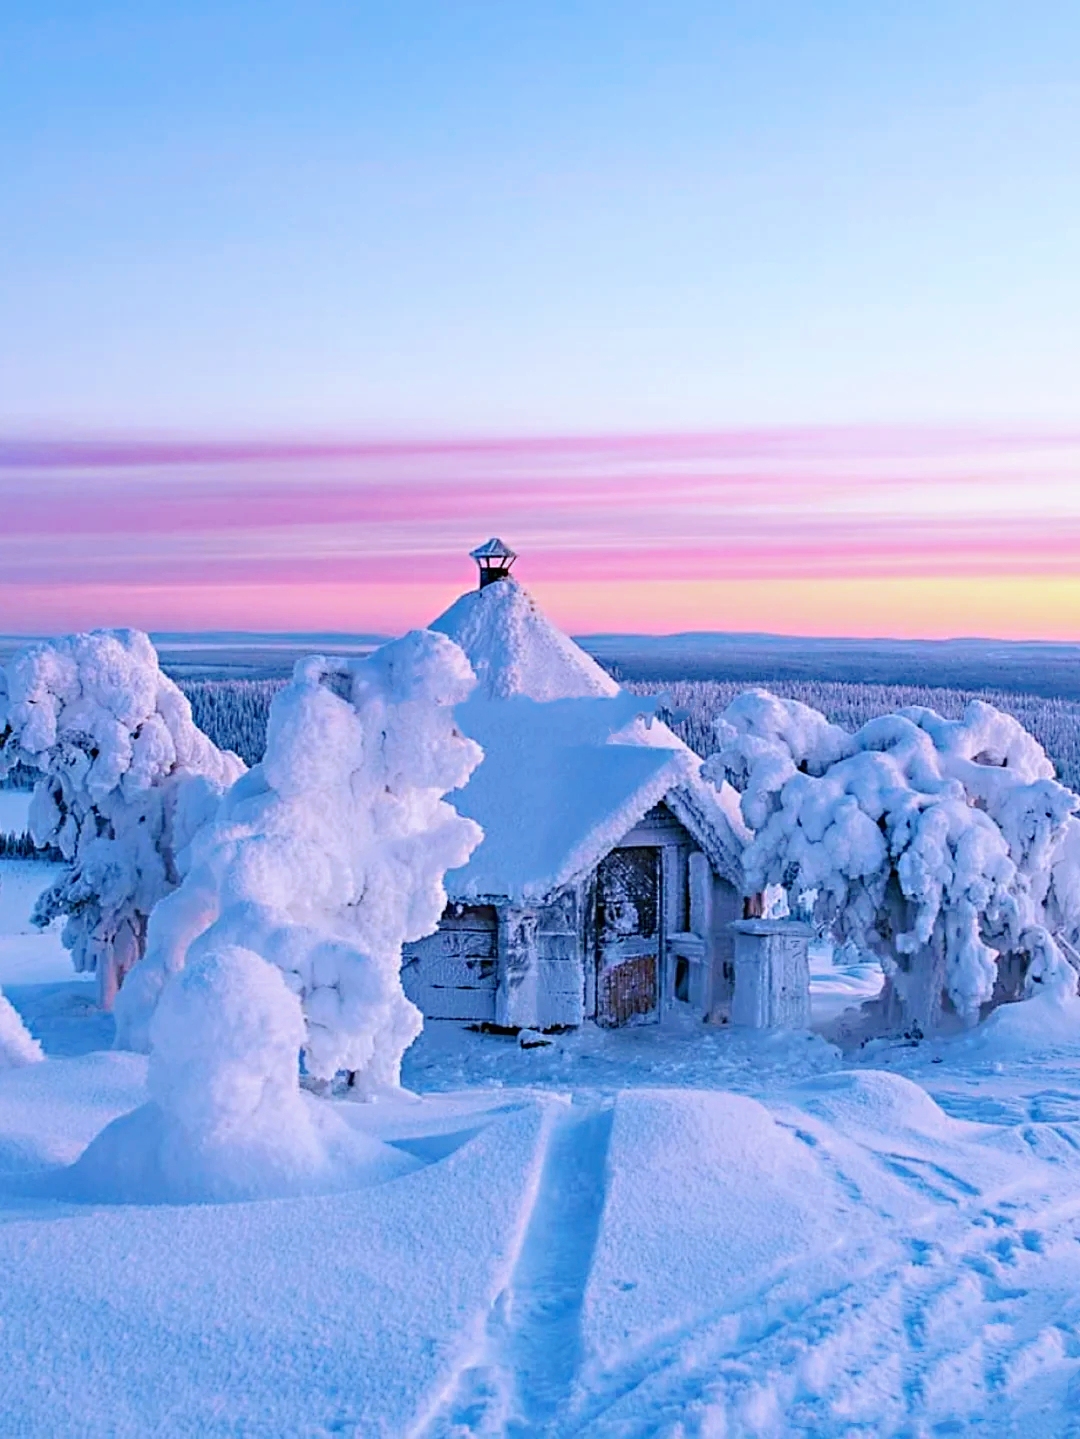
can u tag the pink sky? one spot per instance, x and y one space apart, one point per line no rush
907 532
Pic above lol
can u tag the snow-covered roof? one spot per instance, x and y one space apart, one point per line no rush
516 650
571 761
562 782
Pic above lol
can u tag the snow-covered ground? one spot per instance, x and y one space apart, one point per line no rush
649 1232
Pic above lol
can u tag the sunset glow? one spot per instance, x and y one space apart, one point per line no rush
963 532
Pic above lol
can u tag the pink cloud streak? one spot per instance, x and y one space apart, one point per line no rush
622 510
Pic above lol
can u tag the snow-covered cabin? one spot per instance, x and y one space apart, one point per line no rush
609 870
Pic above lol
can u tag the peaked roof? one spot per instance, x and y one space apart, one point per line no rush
571 761
516 650
563 781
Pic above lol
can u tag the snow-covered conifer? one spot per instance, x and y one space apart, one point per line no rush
946 846
127 778
331 853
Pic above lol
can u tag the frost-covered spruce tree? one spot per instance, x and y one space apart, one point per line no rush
126 779
331 853
945 846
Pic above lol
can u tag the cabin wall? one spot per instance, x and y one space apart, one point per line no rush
535 967
453 973
541 974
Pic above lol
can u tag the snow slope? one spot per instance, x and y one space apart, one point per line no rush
653 1232
514 648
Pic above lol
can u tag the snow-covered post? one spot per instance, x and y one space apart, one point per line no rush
772 974
331 853
943 846
127 778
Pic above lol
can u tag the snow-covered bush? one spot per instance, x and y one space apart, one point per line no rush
226 1118
946 846
331 853
126 779
17 1044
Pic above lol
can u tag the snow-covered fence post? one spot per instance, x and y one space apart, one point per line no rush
331 853
940 845
127 778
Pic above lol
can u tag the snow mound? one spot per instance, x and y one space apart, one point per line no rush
127 779
17 1044
331 853
874 1104
227 1119
707 1196
515 650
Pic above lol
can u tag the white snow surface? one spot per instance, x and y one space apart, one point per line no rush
563 781
17 1044
331 852
127 778
226 1118
659 1231
514 648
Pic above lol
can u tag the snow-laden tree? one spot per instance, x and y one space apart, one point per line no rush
945 846
17 1045
127 778
331 853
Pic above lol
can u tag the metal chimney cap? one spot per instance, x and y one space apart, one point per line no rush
492 549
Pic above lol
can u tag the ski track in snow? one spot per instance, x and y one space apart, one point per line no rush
940 1337
520 1382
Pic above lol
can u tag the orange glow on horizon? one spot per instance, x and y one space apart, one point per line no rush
1014 607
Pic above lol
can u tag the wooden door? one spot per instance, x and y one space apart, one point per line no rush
628 935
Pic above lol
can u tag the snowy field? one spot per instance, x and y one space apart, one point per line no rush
635 1233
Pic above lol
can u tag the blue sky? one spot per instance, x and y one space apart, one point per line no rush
418 217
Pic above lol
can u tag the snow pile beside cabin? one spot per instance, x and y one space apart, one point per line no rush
332 852
946 846
572 761
127 779
226 1118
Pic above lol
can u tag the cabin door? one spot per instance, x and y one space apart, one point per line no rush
628 935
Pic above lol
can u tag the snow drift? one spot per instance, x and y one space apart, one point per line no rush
945 846
17 1044
331 853
226 1119
127 778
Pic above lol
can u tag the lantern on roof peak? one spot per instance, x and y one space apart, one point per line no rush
494 560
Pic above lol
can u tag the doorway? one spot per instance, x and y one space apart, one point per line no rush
628 935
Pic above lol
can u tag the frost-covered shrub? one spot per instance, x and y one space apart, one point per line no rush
331 853
226 1118
17 1044
125 779
946 846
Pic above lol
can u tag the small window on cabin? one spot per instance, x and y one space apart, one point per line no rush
682 979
